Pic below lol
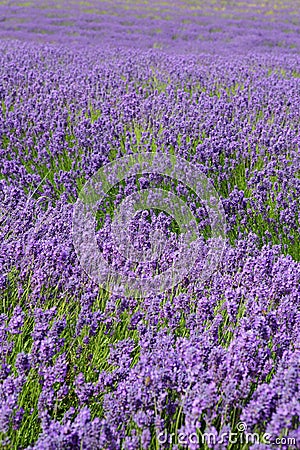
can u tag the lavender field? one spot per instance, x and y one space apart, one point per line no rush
211 361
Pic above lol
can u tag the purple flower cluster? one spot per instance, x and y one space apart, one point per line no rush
81 368
218 27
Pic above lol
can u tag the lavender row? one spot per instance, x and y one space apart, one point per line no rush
177 26
83 369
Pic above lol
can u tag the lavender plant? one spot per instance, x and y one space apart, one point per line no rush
216 85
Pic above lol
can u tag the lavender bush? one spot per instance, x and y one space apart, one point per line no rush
207 364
